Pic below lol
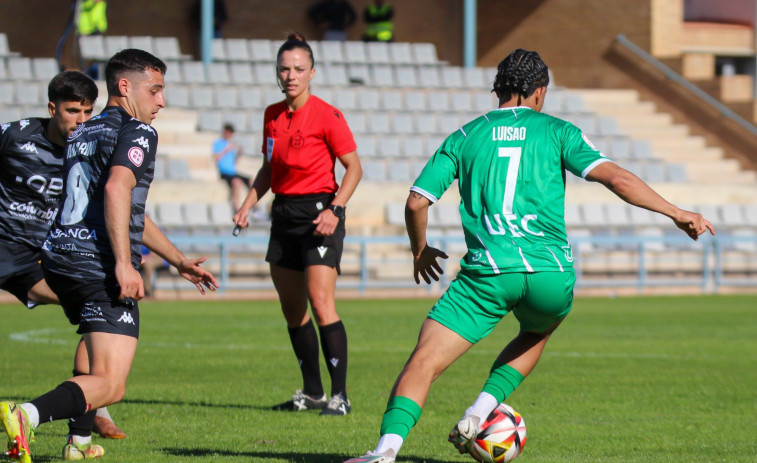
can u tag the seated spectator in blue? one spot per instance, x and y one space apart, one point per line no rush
226 151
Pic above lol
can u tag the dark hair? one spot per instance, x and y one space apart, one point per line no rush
228 126
130 60
296 40
521 73
72 86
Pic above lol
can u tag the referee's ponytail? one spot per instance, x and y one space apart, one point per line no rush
296 40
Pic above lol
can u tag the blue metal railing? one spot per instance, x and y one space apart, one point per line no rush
706 264
674 76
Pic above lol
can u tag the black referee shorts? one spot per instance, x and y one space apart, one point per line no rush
292 244
94 305
20 268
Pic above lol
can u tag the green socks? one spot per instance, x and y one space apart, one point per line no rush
502 381
400 416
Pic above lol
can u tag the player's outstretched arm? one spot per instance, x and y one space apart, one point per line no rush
260 186
633 190
190 269
425 264
121 182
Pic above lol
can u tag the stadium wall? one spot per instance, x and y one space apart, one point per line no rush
572 36
34 34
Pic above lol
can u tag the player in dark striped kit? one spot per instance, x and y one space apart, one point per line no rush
93 251
31 183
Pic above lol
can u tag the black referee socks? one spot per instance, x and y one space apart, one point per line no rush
334 344
305 344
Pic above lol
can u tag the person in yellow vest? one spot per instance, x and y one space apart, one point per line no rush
92 19
378 22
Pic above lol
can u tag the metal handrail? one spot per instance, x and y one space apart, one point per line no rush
674 76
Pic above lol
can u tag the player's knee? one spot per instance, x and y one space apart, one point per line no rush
425 363
117 392
323 308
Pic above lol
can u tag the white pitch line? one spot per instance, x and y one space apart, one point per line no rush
47 336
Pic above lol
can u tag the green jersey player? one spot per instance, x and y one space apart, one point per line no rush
510 165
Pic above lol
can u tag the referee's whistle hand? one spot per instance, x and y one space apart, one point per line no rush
241 217
325 223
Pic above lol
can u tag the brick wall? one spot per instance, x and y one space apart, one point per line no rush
572 36
35 34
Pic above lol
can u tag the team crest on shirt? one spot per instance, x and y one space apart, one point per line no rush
136 155
297 141
568 253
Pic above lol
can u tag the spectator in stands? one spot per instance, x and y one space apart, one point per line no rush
92 20
510 165
333 17
226 152
303 138
379 26
220 16
92 17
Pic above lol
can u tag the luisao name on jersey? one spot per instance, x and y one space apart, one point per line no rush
502 133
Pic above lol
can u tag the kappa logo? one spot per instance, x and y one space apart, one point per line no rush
145 127
23 123
322 251
127 318
136 155
30 147
143 142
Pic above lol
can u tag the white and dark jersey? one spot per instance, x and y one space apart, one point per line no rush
30 181
78 241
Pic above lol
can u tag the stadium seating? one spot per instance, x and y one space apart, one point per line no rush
400 102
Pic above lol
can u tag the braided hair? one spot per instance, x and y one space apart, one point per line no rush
296 40
521 73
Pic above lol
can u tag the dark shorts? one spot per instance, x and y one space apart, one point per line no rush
94 305
229 178
20 269
292 244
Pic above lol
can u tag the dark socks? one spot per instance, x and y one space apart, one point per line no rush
334 344
305 344
82 425
65 401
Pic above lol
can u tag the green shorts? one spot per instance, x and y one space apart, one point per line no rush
474 304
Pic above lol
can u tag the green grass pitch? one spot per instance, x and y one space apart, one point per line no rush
638 379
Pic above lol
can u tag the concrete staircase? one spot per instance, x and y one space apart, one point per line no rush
708 170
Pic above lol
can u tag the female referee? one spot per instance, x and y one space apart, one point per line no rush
303 137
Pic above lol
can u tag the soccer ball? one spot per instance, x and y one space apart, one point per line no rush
502 436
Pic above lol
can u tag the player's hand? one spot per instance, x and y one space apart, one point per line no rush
426 266
191 270
241 218
130 282
693 224
325 223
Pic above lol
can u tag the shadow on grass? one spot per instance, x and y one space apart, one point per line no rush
290 456
194 404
